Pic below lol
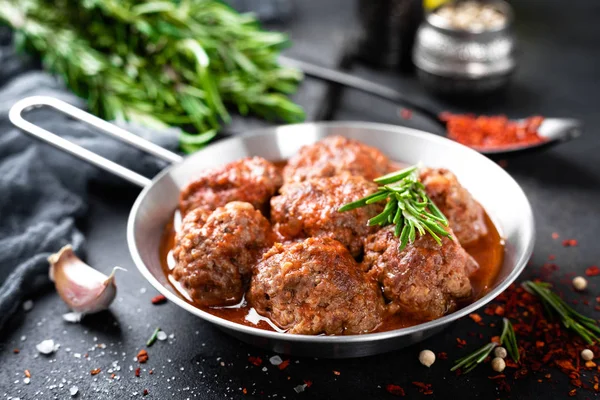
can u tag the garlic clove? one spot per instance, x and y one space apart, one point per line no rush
84 289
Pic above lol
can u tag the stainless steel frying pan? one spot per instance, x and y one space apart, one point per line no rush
499 194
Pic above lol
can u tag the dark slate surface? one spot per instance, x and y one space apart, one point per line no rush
557 77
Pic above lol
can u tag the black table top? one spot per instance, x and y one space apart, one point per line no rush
557 77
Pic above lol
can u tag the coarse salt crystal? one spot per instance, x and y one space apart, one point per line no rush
275 360
23 338
26 381
72 317
161 335
73 391
27 305
46 346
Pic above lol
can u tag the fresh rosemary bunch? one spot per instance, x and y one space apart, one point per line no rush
408 207
159 62
508 339
584 326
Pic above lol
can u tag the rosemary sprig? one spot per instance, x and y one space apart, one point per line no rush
408 207
584 326
507 339
153 338
159 63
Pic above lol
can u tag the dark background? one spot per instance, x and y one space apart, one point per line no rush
557 76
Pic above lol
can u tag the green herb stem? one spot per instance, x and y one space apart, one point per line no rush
407 207
152 338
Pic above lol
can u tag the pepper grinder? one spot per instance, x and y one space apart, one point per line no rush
388 30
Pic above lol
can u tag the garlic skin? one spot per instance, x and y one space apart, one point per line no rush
84 289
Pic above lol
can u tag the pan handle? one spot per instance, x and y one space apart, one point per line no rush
16 117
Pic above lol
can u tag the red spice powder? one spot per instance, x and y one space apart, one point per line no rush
284 365
395 390
95 371
142 356
256 360
245 391
461 343
592 271
555 235
137 372
145 392
492 132
16 351
159 299
308 383
112 376
569 242
442 355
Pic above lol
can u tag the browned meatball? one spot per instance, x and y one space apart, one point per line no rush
310 208
423 281
253 180
465 215
334 155
314 287
215 252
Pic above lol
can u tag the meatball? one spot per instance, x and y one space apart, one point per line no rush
310 208
215 252
253 180
334 155
464 213
315 287
424 280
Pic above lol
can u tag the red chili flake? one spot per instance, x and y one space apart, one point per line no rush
245 391
256 361
492 131
424 388
27 373
551 257
95 371
572 392
476 318
501 376
16 351
592 271
539 344
284 365
555 235
406 113
499 311
145 392
137 372
395 390
151 372
590 364
489 310
442 355
308 383
159 299
142 356
461 342
569 243
336 373
496 339
112 376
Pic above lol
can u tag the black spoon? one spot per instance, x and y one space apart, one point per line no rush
554 130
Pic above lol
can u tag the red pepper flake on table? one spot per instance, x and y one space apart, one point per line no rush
159 299
492 132
142 356
395 390
424 388
95 371
256 361
284 365
592 271
569 242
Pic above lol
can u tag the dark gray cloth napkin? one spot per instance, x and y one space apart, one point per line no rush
42 190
